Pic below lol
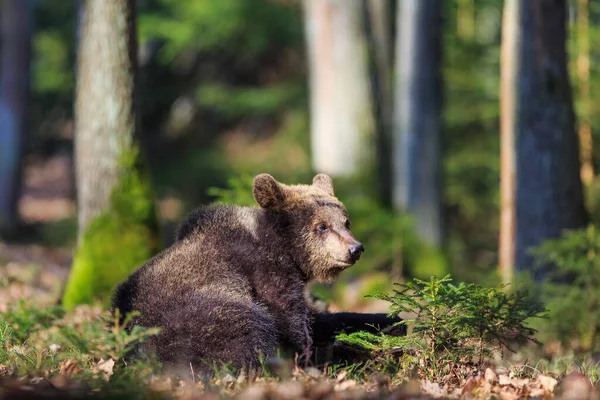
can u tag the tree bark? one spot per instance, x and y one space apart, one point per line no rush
417 109
509 87
547 186
583 73
342 124
15 59
104 115
117 220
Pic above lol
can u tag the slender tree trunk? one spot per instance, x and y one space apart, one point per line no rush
509 89
417 146
16 21
117 221
342 125
583 72
539 129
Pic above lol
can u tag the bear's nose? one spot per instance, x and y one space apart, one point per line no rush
355 251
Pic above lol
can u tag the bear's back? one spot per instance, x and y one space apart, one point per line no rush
214 247
219 220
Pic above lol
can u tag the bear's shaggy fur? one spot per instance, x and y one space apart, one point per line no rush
232 286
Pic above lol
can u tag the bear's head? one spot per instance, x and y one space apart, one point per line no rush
315 223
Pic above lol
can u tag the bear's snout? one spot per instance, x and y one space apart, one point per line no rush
355 251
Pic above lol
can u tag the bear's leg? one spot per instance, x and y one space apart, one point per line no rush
209 330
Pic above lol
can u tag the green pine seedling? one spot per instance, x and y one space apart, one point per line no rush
452 324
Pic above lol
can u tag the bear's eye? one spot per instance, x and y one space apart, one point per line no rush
322 228
347 224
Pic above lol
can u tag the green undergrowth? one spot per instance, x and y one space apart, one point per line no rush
87 349
571 289
117 241
451 324
528 363
86 345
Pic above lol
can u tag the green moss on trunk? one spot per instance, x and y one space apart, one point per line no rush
116 242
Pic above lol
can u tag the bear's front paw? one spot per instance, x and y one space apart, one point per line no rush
304 357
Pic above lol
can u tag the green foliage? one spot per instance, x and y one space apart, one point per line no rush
389 238
564 365
471 164
243 64
115 342
61 232
53 51
116 242
236 102
452 324
585 108
572 287
240 28
51 70
238 191
23 319
38 341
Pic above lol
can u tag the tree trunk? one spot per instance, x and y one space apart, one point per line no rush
539 127
342 125
509 87
583 73
417 147
16 20
117 221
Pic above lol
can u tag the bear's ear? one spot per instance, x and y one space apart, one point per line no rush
268 193
324 182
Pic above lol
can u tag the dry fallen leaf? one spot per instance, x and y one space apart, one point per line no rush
104 367
4 370
520 383
254 392
161 384
341 376
320 390
537 393
490 376
504 380
508 395
433 389
226 379
289 390
547 382
314 373
54 347
68 368
347 384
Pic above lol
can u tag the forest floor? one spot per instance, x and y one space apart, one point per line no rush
47 353
43 359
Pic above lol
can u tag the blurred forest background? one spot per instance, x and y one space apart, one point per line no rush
400 101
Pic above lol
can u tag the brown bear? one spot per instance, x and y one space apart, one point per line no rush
231 288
